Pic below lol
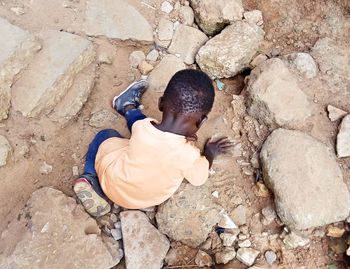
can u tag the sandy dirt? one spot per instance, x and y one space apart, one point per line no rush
289 27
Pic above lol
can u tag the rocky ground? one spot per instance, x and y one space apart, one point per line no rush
281 70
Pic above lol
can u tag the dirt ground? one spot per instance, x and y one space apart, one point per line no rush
289 26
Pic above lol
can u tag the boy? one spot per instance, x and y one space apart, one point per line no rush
148 168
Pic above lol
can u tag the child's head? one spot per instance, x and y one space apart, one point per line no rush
189 96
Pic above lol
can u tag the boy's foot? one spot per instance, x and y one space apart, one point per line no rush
93 203
130 97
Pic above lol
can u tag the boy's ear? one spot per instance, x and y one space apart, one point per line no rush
200 122
161 104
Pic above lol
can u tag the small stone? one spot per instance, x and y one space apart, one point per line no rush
348 251
294 240
215 194
343 138
104 58
254 16
23 151
226 222
152 56
269 214
228 239
75 171
136 57
258 60
203 259
270 256
5 150
303 63
245 244
335 113
45 169
186 15
247 256
186 42
117 234
334 231
17 10
145 67
166 7
165 29
225 256
262 190
103 118
239 215
114 219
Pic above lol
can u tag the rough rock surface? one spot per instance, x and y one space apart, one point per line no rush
51 73
226 255
213 15
335 113
343 138
165 29
275 97
56 228
332 57
76 96
303 63
120 20
247 255
162 73
173 216
144 245
231 51
254 17
17 49
186 15
295 166
186 42
5 150
103 118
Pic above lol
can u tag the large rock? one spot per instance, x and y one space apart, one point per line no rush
144 245
343 138
305 178
5 150
17 49
213 15
332 56
162 73
231 51
275 97
116 19
189 215
76 96
59 234
186 42
52 72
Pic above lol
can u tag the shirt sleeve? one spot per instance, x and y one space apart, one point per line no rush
198 173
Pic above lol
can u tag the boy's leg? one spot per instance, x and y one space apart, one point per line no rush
87 187
132 116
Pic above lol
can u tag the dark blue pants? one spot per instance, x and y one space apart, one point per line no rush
131 117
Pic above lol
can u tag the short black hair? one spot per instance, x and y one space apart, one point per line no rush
189 91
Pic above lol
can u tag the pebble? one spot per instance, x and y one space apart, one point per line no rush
245 244
269 215
215 194
75 171
152 55
166 7
114 219
145 67
5 150
203 259
262 190
247 256
45 168
239 215
335 113
293 240
17 10
343 138
270 257
117 234
186 15
228 238
104 58
258 60
225 256
165 29
335 232
226 222
136 57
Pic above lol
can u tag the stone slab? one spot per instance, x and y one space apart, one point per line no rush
52 72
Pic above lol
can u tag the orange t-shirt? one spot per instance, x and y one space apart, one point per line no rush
147 169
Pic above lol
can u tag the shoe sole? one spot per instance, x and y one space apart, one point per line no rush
128 88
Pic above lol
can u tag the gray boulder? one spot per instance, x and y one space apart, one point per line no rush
231 51
305 178
274 96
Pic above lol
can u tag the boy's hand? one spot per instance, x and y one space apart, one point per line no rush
212 149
